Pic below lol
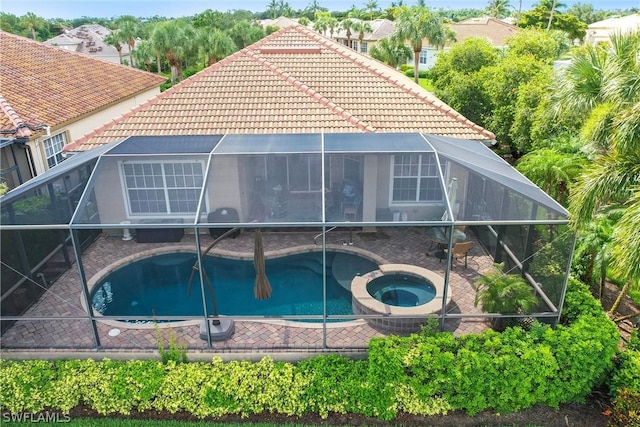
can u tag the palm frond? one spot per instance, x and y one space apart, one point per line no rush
626 238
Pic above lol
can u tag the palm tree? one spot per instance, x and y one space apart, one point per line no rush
114 38
215 44
371 7
498 8
321 24
552 170
503 293
347 25
313 8
272 9
362 27
551 6
603 83
143 54
594 247
32 23
391 53
128 26
243 33
174 39
414 24
333 25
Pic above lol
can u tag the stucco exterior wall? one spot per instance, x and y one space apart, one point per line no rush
87 124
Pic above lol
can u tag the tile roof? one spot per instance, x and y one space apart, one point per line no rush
292 81
494 30
88 39
42 84
380 28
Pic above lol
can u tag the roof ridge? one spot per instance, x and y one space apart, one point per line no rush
413 89
9 111
312 93
21 128
156 99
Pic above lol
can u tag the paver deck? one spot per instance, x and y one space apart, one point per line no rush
402 245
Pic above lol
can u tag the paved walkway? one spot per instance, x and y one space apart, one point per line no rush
406 245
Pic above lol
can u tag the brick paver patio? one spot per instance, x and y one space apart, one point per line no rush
405 245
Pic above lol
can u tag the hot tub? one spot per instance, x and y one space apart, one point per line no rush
398 290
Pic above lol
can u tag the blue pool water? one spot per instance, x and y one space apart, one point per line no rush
401 290
159 286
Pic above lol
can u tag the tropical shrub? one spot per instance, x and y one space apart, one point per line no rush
503 293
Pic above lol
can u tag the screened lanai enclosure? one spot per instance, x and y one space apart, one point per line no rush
309 242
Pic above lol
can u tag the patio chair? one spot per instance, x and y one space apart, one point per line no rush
459 250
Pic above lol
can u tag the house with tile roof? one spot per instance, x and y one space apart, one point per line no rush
292 81
380 29
279 22
50 97
493 30
601 31
88 40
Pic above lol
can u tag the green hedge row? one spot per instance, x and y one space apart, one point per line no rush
421 73
429 373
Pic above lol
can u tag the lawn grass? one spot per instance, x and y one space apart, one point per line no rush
427 84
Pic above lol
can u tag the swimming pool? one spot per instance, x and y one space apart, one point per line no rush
158 285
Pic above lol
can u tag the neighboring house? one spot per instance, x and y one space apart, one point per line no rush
601 31
88 40
491 29
280 22
381 28
294 81
49 97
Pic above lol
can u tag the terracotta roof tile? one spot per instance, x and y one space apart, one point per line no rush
293 81
494 30
43 84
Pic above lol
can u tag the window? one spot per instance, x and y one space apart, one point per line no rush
351 167
415 178
297 172
162 188
364 47
424 54
53 149
354 45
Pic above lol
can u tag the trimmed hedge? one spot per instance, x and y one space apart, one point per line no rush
429 373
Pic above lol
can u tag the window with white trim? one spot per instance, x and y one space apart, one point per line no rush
364 47
424 56
415 178
53 149
354 45
163 188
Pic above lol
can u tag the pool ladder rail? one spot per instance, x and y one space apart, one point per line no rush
345 243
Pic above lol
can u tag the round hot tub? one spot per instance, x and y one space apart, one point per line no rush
401 289
398 290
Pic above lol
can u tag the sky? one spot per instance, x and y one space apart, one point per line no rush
68 9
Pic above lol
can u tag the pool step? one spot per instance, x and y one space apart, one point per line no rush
344 269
